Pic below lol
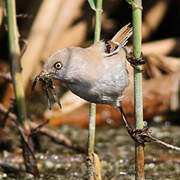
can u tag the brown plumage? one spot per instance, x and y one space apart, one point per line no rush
123 34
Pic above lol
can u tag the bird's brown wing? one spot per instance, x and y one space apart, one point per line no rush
123 35
118 41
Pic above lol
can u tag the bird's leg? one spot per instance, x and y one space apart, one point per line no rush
138 135
127 125
136 61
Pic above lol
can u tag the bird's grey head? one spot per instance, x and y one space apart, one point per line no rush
56 64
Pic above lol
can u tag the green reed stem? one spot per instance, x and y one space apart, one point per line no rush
92 113
138 96
14 51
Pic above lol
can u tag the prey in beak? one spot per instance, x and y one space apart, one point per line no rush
48 87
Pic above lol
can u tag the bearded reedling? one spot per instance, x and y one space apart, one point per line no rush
97 74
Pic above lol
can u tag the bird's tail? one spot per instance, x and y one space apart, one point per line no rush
123 35
118 41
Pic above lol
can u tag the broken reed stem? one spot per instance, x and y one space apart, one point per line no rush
138 97
15 61
92 109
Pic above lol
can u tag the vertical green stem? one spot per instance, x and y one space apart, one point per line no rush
97 31
22 124
15 61
138 96
92 114
94 166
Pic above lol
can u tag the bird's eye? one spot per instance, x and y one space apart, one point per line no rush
58 65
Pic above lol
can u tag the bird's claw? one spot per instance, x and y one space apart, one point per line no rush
136 61
140 136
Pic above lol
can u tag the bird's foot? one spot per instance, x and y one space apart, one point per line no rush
136 61
140 135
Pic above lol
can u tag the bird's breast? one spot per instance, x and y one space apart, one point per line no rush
100 80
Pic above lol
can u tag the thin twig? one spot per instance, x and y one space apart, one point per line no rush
56 137
63 140
147 135
59 139
144 135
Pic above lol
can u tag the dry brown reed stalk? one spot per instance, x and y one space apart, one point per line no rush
60 17
166 63
68 12
38 36
162 47
153 18
73 36
70 103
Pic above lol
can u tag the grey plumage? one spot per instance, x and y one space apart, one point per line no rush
91 74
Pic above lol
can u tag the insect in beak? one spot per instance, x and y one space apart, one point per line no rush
48 88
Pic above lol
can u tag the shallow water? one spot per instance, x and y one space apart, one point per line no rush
116 152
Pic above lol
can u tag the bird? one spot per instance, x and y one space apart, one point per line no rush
97 73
